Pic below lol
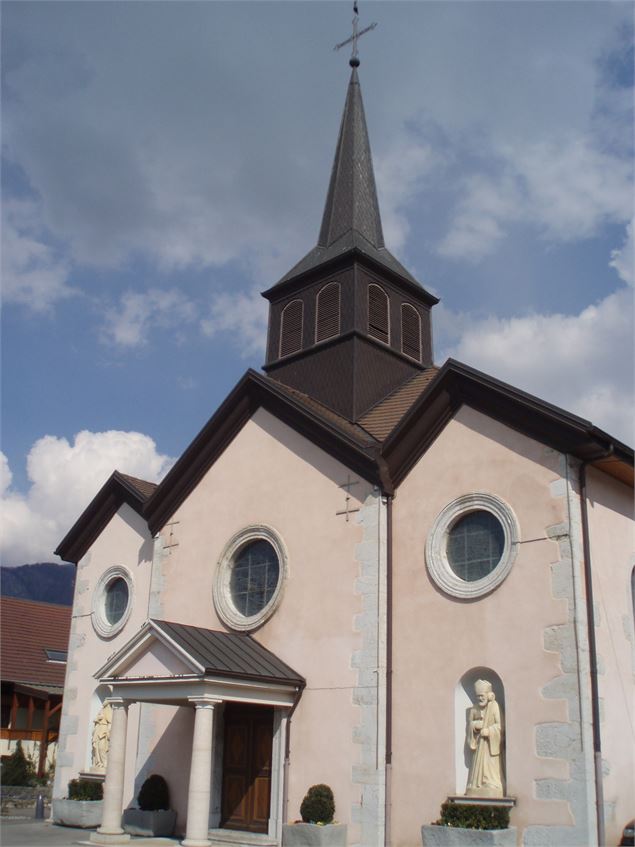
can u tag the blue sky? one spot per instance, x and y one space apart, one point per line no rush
163 163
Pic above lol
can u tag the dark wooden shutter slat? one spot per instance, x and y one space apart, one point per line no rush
410 331
378 313
291 328
327 323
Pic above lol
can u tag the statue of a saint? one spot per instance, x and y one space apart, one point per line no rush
485 737
101 738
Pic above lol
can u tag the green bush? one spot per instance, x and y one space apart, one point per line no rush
154 794
468 816
318 805
17 769
85 789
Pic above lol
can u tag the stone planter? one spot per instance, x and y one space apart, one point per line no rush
454 836
159 823
313 835
82 813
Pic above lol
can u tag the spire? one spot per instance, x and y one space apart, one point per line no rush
351 202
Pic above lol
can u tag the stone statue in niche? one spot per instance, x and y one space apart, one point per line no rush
485 739
101 738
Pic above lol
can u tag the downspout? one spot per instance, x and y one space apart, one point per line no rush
388 775
593 656
287 757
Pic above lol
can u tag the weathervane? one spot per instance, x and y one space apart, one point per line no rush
354 60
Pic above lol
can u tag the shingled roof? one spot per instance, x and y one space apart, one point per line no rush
27 630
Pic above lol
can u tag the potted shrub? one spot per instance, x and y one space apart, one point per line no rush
83 807
472 825
154 816
316 827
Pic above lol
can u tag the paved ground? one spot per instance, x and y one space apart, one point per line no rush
27 832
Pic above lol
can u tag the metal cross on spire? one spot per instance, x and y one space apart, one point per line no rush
357 34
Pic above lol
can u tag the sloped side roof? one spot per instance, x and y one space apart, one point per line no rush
384 416
229 653
27 630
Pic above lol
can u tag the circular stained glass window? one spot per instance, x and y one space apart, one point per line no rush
116 600
475 545
254 577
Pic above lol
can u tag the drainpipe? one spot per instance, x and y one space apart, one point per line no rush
593 656
287 757
388 776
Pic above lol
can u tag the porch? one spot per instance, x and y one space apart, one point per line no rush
232 683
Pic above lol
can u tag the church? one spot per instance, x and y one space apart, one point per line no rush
410 582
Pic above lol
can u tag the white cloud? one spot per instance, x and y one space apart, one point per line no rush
242 315
564 187
623 260
33 273
400 174
583 363
64 477
138 314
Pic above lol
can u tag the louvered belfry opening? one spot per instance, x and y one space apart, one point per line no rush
291 328
327 319
410 331
378 320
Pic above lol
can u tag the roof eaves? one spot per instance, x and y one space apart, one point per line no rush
457 384
113 493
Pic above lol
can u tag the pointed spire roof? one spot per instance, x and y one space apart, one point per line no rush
351 218
351 202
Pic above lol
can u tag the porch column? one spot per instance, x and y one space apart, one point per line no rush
110 831
199 790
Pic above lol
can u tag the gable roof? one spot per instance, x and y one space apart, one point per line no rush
382 447
210 652
27 630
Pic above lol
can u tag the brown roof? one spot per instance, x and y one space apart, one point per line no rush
384 416
27 630
354 431
144 488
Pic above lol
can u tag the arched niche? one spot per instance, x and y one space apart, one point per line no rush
464 699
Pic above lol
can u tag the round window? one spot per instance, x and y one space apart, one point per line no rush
116 600
250 578
472 545
254 577
475 545
112 601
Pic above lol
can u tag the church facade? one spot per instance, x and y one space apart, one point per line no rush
409 582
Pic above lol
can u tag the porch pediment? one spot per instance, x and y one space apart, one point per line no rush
172 662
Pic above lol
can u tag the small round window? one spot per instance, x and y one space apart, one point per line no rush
112 601
475 545
250 577
116 600
472 545
254 577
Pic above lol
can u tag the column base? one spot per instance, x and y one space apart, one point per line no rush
109 837
195 842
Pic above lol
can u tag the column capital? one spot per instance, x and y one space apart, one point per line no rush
204 702
117 702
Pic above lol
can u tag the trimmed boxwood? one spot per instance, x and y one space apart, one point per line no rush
154 795
473 816
85 789
318 805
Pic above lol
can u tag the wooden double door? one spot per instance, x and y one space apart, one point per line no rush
247 748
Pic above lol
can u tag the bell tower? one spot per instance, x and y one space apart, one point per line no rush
348 323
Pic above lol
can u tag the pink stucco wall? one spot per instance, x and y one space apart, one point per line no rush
271 475
613 559
125 541
438 638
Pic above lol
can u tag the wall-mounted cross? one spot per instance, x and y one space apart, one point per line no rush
172 542
347 487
